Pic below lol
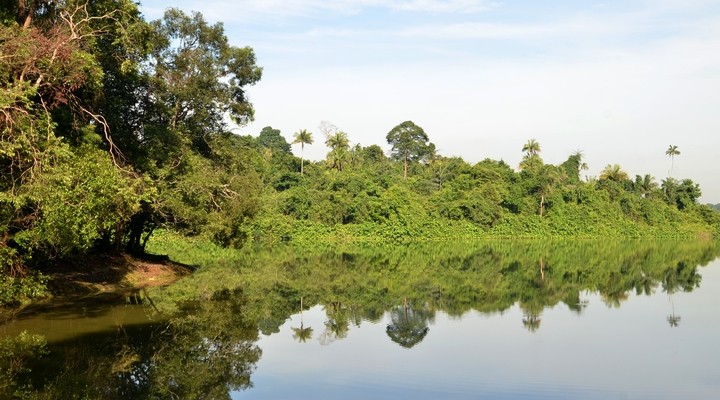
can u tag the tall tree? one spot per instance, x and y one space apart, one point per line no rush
197 80
672 151
303 137
409 143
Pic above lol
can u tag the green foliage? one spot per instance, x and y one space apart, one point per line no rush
409 143
81 200
339 145
270 138
454 276
15 290
15 354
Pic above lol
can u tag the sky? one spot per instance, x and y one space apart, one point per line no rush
620 81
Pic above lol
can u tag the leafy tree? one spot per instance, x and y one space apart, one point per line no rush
545 183
373 154
688 192
272 139
59 192
409 143
197 78
671 152
303 137
573 165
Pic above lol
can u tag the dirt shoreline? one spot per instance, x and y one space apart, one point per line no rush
112 274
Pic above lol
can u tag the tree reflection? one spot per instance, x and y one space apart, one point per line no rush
531 320
408 326
212 350
207 347
302 334
204 352
679 278
337 324
673 319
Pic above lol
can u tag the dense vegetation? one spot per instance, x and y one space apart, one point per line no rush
112 126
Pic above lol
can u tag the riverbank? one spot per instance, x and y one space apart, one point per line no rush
104 277
108 274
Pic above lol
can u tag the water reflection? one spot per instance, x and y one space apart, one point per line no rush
200 339
408 326
206 350
302 333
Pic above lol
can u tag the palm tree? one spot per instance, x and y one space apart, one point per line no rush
339 145
302 334
337 140
669 188
672 151
645 185
531 148
613 173
531 160
583 165
303 137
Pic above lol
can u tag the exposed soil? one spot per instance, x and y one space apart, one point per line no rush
113 274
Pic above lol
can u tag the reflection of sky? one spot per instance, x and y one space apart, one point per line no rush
626 352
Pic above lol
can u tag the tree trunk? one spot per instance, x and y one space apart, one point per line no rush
26 9
302 158
405 167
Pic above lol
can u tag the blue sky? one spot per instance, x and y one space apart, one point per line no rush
619 80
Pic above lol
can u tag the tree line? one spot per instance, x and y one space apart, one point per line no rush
112 126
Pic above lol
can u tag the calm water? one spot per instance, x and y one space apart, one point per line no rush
492 320
631 352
